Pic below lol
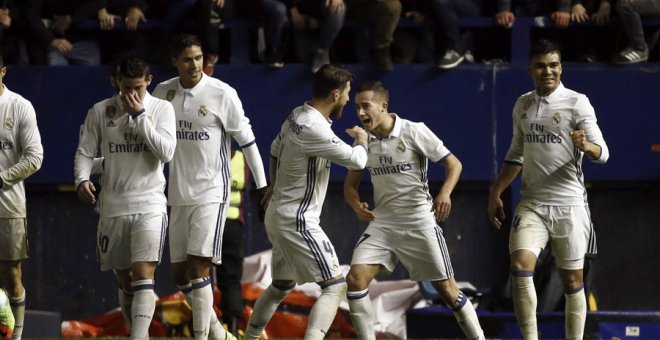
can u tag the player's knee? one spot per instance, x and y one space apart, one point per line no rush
447 289
357 280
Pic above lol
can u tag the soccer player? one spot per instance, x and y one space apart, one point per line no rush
208 115
553 127
403 224
21 155
135 134
301 155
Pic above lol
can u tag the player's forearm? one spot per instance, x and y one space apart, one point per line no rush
593 151
351 184
160 139
253 159
82 168
28 165
453 169
507 174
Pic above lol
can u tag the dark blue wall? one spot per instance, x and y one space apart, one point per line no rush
469 108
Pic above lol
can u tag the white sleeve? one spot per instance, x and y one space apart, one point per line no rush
253 159
585 118
321 141
160 138
516 149
88 146
30 140
234 120
428 144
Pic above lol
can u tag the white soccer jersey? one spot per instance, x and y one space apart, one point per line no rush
398 165
21 152
305 148
207 117
552 171
134 152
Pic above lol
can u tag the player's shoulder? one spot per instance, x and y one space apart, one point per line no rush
161 104
526 96
101 105
215 84
16 99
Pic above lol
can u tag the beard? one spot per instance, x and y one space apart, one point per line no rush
336 111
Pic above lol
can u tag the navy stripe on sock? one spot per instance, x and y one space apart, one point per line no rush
143 287
284 288
17 303
204 283
357 297
460 302
327 284
573 291
522 273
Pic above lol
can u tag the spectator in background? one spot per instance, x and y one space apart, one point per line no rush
444 15
327 16
631 13
56 35
382 16
272 15
508 10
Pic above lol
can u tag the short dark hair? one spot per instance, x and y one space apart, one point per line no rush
329 78
133 67
377 87
544 46
182 41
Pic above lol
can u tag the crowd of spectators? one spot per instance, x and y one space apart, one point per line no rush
379 32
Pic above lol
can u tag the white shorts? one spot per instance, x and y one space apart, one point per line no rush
197 230
568 228
123 240
13 239
302 256
422 252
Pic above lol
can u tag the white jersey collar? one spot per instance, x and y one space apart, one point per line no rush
313 109
549 98
195 90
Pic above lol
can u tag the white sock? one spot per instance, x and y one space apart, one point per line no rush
216 331
524 303
263 310
576 313
362 314
324 310
125 303
18 309
142 310
202 306
466 317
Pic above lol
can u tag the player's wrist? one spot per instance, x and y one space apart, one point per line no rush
138 113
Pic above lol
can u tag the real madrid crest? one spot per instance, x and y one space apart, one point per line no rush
9 122
110 111
202 111
556 118
401 147
170 95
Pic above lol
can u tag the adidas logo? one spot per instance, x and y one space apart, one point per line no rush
111 124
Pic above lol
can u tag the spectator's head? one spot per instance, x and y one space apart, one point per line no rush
371 102
545 67
133 76
332 83
187 57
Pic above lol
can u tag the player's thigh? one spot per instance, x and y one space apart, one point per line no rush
198 231
375 247
528 229
570 236
148 237
113 242
13 239
304 256
424 254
